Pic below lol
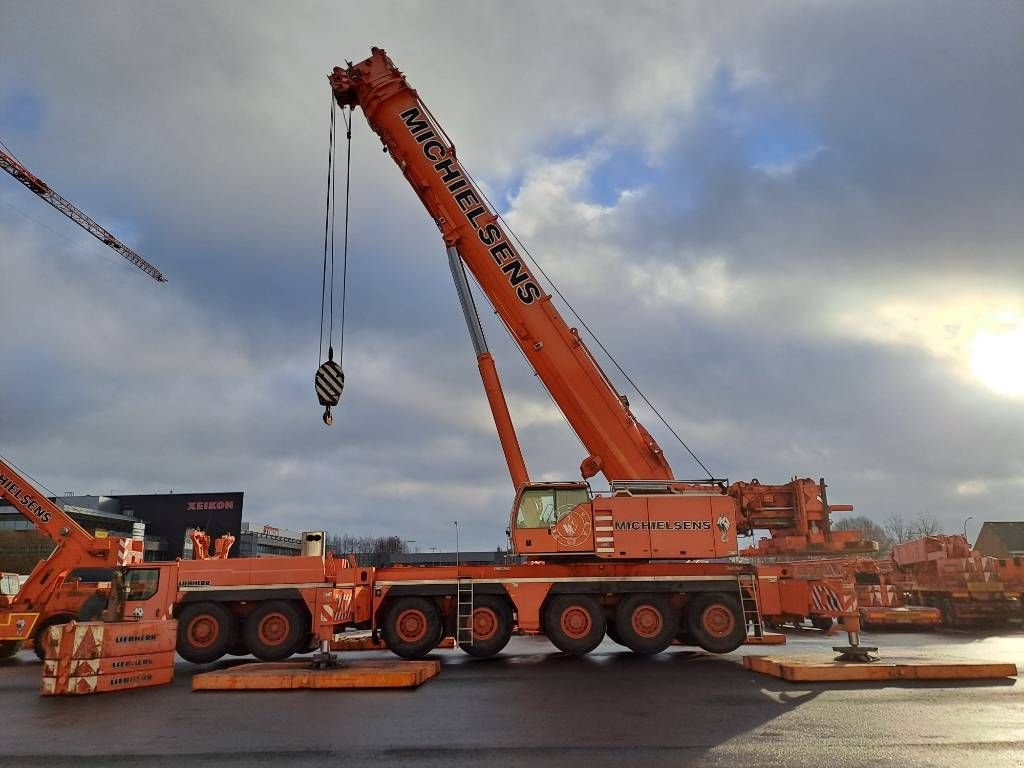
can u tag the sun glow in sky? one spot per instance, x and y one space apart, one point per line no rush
997 360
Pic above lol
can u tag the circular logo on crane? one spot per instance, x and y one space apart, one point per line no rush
573 529
724 524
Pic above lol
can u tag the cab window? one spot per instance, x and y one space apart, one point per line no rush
9 584
536 508
141 583
543 507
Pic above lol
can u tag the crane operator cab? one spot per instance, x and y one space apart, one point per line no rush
636 520
551 518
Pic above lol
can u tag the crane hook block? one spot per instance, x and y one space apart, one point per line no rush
329 382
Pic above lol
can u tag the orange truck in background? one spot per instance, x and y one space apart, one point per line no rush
966 587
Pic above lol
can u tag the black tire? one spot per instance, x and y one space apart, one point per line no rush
715 622
274 630
205 632
492 626
824 623
38 644
411 627
646 623
8 648
93 607
575 624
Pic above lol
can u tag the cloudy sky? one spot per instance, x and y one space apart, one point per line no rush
799 227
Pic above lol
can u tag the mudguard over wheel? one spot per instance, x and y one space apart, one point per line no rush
205 632
715 622
411 626
574 623
646 623
492 626
274 630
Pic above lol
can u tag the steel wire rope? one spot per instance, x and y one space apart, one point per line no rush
327 230
26 474
586 327
344 251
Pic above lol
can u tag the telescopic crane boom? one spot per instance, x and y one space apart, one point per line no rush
618 445
10 163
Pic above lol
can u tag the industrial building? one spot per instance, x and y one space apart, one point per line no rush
162 518
259 540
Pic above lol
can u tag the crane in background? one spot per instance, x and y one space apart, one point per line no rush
15 168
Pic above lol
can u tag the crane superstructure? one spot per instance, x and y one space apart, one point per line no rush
24 614
11 164
649 514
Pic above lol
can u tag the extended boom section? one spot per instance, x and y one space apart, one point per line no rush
619 447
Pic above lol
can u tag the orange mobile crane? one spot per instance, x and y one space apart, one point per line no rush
48 597
645 562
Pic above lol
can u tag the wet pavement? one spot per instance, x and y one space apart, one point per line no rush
531 706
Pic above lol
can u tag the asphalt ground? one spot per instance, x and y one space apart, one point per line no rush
534 707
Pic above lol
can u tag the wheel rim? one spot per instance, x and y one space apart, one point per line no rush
202 631
718 621
273 629
485 623
647 621
411 625
576 622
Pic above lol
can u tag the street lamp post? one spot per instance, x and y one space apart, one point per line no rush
965 525
457 558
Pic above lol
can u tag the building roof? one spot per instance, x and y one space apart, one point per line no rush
1010 534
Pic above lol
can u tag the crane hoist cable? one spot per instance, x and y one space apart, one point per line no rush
586 327
330 378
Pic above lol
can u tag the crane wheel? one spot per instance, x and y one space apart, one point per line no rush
411 626
715 622
205 632
274 630
492 626
575 624
8 648
93 607
38 646
824 623
646 623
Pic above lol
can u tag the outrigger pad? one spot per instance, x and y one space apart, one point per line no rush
276 676
858 654
816 669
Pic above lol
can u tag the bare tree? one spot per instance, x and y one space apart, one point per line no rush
897 528
869 529
925 524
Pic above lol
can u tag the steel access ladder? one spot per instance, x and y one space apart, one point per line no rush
464 611
751 609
